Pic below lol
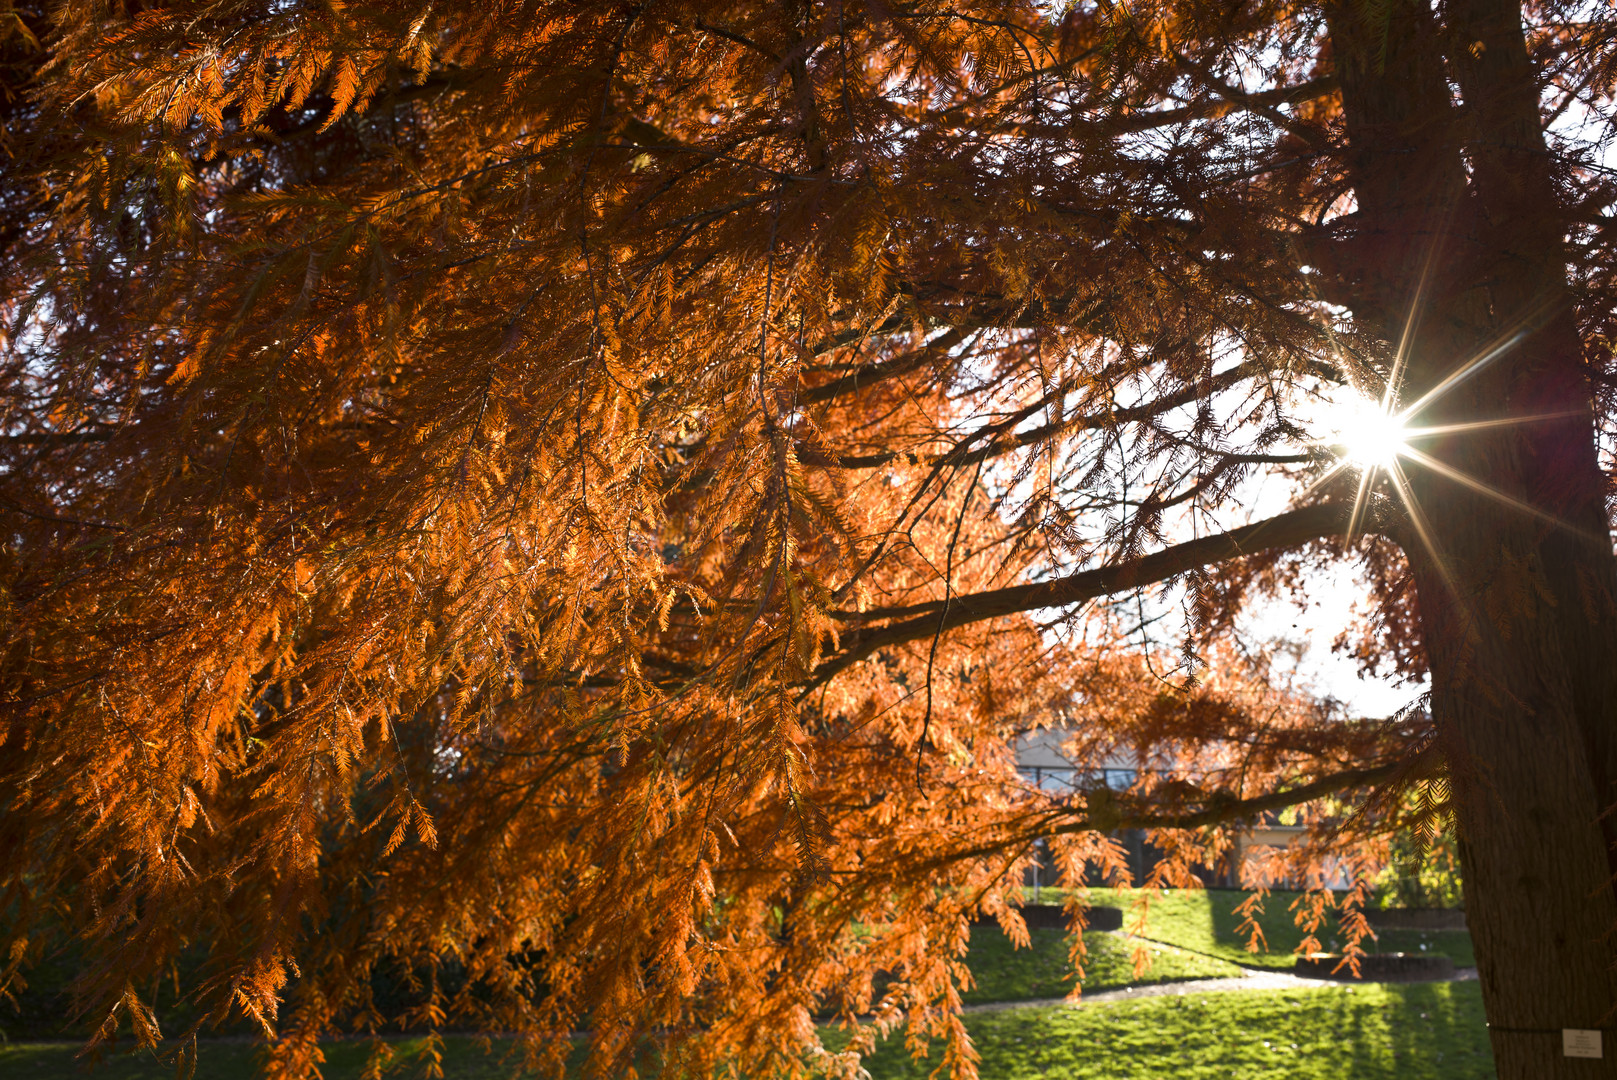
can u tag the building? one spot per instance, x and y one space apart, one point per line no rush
1044 765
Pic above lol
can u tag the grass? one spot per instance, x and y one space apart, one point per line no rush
1421 1031
1042 971
1206 922
1410 1032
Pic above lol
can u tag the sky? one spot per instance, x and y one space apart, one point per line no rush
1332 589
1332 592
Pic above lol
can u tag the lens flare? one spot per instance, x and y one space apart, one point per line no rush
1369 435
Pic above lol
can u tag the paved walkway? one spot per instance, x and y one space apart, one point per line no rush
1254 979
1250 979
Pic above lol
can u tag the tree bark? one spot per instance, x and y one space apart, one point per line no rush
1515 582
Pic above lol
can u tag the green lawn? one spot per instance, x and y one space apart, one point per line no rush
1421 1031
1405 1032
1042 971
1205 921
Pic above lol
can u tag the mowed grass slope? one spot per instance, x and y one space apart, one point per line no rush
1421 1031
1004 973
1206 922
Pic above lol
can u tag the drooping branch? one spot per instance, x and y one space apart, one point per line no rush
1225 100
1222 809
865 375
1219 808
1009 440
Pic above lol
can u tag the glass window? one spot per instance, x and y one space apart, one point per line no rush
1059 780
1120 779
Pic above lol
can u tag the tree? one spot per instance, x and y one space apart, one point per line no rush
575 500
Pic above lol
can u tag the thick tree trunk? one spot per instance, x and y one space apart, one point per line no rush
1516 583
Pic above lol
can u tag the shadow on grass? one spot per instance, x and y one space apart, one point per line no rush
1432 1031
1004 973
1206 922
464 1058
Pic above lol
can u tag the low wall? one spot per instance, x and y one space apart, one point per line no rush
1377 967
1054 917
1416 918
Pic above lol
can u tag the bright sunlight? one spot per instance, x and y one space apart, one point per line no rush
1370 434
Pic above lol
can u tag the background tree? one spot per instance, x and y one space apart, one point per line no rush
586 494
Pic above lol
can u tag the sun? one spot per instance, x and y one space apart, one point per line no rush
1369 434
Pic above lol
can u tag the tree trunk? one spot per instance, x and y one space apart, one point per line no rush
1515 582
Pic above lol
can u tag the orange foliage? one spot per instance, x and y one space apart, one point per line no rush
585 497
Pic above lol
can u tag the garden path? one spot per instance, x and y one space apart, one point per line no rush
1252 978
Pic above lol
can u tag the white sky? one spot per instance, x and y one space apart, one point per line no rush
1332 593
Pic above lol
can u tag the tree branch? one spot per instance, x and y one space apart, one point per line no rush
921 620
1220 809
1001 444
1227 100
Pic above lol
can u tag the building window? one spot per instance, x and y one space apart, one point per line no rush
1119 779
1059 780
